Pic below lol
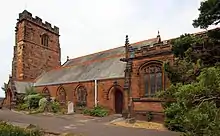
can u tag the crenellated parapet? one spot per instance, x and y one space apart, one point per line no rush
150 50
25 15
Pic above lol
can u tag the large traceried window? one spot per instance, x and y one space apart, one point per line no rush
152 78
81 95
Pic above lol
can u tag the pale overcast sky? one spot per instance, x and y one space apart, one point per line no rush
88 26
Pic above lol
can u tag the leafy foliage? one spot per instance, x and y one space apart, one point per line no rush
42 104
20 99
22 106
55 106
192 102
96 111
193 52
183 43
182 71
10 130
37 103
195 87
33 100
209 14
196 109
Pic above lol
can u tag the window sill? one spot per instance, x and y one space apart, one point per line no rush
147 99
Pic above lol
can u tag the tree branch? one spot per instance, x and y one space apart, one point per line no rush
208 99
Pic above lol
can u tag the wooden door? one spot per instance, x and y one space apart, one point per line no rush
118 102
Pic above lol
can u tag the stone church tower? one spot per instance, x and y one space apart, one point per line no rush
37 47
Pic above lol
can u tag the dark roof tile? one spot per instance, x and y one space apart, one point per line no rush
101 65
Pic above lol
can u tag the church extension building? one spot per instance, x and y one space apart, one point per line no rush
120 79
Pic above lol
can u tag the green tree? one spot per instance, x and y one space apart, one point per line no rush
209 14
195 110
192 102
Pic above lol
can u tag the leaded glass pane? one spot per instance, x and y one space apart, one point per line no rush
81 96
152 83
146 84
159 81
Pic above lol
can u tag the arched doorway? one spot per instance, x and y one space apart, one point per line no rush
118 101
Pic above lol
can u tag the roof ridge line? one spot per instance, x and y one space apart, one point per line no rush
111 49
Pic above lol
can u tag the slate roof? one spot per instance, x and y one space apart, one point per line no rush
101 65
21 86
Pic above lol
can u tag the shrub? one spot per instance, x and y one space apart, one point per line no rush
42 104
195 110
33 100
10 130
20 99
96 111
23 106
55 106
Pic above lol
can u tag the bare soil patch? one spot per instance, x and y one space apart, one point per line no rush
140 124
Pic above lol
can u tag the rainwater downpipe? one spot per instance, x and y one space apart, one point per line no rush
96 93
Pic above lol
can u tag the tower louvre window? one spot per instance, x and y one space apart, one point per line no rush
44 40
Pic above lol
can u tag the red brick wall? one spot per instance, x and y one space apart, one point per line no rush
137 85
148 106
105 92
106 89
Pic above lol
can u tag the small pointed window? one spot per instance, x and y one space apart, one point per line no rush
62 95
46 92
81 96
44 40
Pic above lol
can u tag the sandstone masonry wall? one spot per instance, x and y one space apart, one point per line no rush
31 58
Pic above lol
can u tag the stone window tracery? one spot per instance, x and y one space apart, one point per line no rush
81 96
153 79
46 92
62 95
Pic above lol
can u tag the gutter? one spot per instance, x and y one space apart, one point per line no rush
79 81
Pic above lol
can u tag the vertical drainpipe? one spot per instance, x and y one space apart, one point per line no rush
96 92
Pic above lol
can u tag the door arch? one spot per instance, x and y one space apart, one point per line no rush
118 101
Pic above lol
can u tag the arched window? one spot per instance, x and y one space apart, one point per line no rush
62 95
44 39
152 75
81 95
46 92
